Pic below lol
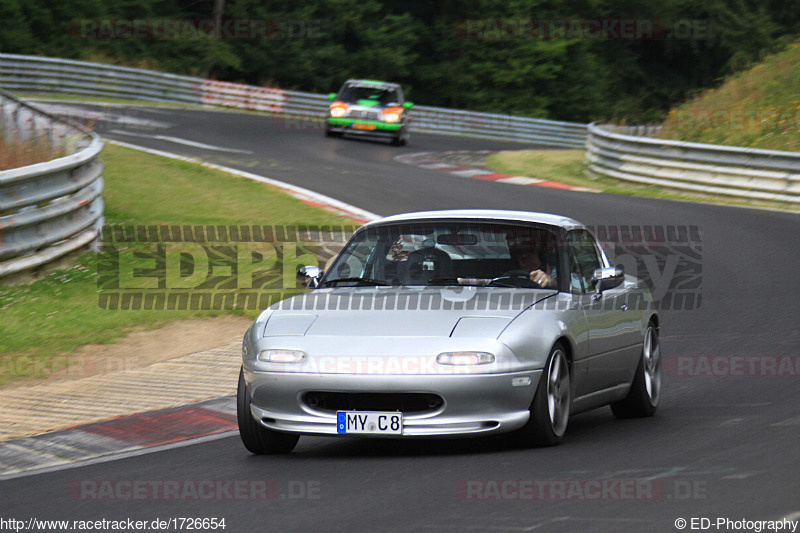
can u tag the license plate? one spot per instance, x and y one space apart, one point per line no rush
369 422
363 126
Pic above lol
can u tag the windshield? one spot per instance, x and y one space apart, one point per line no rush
448 253
368 95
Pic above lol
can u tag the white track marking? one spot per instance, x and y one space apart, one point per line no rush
470 172
186 142
519 180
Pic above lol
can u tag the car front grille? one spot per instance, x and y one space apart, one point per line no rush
365 114
405 402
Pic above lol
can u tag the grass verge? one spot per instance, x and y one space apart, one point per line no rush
758 108
59 313
569 166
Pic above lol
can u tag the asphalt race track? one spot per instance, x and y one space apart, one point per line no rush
720 445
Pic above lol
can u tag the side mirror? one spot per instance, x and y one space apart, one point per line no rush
309 276
331 96
408 104
608 278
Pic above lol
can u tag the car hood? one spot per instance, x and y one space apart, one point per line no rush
400 312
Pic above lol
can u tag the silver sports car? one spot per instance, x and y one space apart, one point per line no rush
452 323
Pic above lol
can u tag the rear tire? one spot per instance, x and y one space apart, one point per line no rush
551 403
256 438
645 393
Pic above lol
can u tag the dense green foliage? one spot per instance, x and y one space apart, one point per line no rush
476 55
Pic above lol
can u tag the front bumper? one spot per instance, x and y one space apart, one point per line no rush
377 127
476 404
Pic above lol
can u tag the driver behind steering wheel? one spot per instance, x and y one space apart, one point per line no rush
530 259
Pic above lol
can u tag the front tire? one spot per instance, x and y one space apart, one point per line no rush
400 139
645 393
256 438
551 403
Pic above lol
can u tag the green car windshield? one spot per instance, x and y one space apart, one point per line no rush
365 95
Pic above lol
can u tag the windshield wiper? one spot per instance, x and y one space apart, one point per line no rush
463 282
500 283
443 281
358 281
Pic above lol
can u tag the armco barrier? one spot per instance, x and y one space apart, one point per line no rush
47 209
31 73
709 168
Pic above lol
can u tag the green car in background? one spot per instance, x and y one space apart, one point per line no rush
370 108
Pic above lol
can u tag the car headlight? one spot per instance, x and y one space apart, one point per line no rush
338 111
281 356
465 358
391 117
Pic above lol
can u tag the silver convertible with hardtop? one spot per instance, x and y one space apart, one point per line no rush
452 324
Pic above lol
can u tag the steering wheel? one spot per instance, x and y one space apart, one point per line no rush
518 278
425 264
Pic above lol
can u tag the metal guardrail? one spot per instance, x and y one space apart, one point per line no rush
47 209
709 168
31 73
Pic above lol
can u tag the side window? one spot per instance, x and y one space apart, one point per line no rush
389 97
575 278
585 256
